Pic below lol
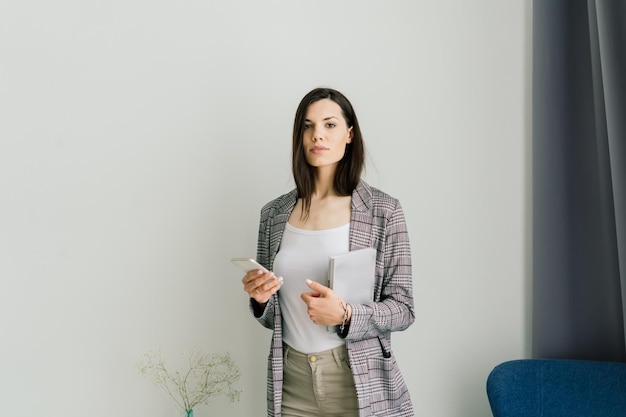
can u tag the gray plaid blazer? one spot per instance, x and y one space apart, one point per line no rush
376 221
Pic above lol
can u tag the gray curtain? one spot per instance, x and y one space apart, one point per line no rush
579 179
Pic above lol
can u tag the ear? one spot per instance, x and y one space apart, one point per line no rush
350 134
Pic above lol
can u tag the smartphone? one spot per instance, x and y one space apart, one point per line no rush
247 264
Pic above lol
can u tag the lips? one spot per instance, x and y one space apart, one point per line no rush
318 149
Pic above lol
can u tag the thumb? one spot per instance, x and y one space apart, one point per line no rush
316 286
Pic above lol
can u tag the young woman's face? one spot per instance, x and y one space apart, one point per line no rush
326 134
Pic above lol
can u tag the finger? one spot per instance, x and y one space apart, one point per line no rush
316 286
253 281
266 288
306 296
259 295
251 275
276 284
264 296
253 286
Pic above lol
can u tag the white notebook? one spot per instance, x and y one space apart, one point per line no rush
352 276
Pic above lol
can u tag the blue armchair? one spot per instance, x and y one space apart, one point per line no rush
557 388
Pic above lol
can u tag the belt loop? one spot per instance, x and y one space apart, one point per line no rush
286 349
337 357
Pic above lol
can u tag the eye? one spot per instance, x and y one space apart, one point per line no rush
330 125
307 126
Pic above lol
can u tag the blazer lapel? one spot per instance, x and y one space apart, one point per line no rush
278 223
361 218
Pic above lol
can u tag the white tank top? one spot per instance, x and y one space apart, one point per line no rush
305 254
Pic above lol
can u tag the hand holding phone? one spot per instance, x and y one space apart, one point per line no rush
256 288
247 264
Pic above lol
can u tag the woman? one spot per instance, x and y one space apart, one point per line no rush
311 371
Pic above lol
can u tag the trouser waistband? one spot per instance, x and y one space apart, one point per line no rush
339 354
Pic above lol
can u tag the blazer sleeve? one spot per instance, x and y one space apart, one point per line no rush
265 316
394 309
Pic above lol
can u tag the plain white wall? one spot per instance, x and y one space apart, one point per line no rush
139 139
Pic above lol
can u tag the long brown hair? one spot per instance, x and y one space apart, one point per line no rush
350 167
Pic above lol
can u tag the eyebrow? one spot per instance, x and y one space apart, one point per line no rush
324 119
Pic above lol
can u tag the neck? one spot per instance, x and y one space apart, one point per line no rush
324 183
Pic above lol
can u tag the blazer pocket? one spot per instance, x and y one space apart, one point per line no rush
385 381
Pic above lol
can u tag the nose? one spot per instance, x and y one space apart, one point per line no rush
317 135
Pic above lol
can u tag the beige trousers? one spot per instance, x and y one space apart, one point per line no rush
318 384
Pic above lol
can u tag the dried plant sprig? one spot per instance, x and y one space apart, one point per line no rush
208 375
